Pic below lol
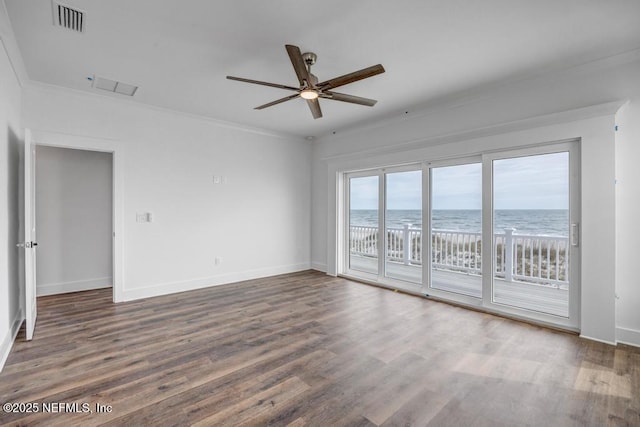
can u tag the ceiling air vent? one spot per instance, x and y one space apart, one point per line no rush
69 18
114 86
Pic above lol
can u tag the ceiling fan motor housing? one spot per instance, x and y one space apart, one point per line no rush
309 58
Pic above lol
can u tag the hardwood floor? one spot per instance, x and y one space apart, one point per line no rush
309 349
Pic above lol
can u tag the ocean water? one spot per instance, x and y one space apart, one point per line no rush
545 222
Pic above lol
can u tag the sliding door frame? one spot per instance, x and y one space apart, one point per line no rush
346 262
486 302
428 250
573 148
381 277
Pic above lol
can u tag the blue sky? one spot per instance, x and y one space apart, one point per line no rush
534 182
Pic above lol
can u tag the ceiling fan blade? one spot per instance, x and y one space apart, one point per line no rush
349 98
352 77
258 82
277 101
314 106
298 64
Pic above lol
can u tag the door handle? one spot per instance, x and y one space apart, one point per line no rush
27 244
575 234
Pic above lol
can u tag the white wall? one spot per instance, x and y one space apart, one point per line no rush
74 220
628 221
257 222
537 110
11 146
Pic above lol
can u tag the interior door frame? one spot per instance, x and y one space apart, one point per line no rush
115 147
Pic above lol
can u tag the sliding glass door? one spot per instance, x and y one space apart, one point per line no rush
384 226
403 225
531 223
498 231
456 227
363 224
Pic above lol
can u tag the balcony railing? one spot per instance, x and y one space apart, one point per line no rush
521 257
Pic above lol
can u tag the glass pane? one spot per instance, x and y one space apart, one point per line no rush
456 229
403 225
363 224
531 230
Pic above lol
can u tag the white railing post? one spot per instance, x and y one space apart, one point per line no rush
406 245
508 254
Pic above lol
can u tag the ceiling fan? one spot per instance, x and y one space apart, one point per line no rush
310 89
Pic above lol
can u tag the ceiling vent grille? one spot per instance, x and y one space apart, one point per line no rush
69 18
114 86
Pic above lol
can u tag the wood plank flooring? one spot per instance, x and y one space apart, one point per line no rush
306 349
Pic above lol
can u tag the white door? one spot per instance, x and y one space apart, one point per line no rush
30 233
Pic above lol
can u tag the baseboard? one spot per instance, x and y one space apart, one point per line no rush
10 337
628 336
205 282
597 340
319 266
75 286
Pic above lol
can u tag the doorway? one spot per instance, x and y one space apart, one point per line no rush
74 206
32 140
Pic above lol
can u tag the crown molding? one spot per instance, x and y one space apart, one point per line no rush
46 87
488 91
598 110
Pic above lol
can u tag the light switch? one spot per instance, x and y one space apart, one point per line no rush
144 217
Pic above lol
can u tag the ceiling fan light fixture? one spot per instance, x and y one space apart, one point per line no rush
309 94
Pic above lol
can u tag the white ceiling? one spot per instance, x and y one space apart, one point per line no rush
179 52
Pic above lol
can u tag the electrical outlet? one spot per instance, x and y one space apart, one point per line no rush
218 260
